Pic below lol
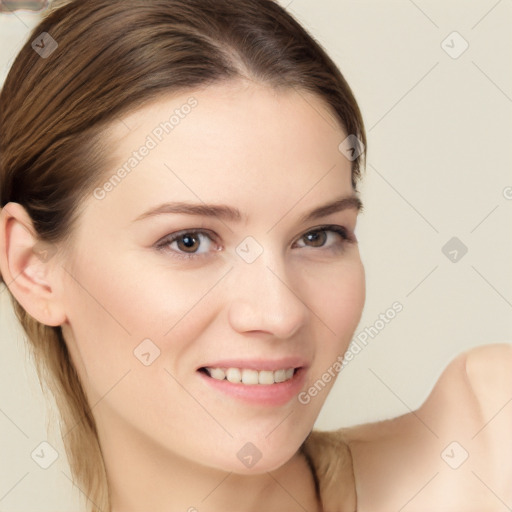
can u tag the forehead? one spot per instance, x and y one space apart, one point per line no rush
237 142
239 116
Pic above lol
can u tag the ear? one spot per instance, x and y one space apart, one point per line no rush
26 264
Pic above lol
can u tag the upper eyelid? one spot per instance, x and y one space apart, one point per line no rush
206 231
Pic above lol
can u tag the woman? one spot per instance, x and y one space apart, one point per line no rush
179 199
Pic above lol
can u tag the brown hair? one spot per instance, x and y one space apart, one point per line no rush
113 56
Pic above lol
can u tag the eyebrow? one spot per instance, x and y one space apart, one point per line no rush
224 212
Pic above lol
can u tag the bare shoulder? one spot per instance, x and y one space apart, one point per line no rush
489 372
477 380
453 453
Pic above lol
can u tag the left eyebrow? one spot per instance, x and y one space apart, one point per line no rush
222 211
343 203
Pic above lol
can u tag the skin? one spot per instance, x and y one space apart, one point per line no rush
274 156
409 463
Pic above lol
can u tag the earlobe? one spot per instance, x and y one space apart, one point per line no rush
25 264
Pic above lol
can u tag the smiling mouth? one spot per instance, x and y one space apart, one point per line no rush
250 377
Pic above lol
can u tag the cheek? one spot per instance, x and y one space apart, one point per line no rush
336 294
337 301
348 300
114 307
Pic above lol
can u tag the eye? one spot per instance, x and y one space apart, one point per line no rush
187 243
195 243
319 236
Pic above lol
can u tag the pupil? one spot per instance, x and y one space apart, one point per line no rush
189 241
317 237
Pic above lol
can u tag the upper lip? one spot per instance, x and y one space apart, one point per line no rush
259 364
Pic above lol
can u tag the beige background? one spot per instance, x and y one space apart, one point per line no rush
439 164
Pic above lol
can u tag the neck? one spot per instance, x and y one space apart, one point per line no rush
145 477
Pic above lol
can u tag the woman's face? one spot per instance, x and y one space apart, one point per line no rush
248 284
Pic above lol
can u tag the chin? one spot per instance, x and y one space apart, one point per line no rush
254 458
258 467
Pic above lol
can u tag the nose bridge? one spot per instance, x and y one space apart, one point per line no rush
264 299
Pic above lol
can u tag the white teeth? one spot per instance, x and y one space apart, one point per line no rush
234 375
251 377
267 377
280 375
217 373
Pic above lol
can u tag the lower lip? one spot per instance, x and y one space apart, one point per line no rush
272 395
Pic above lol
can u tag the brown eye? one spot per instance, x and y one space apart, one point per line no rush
327 238
188 242
316 238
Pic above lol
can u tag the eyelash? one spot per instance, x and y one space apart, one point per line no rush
346 237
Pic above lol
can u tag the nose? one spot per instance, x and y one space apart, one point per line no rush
263 300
